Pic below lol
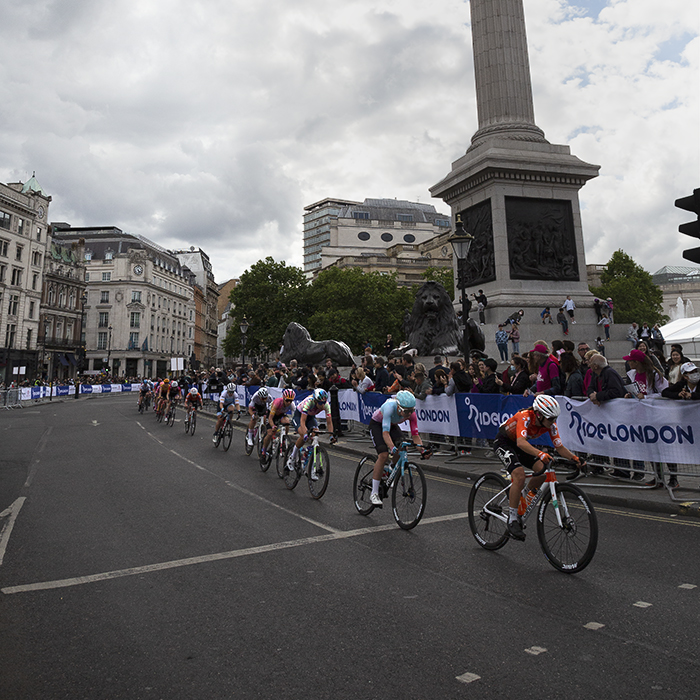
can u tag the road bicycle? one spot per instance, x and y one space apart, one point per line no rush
275 450
286 444
160 412
170 416
405 480
145 402
567 526
313 461
191 421
258 436
225 435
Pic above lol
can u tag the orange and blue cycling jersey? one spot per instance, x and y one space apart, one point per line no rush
522 425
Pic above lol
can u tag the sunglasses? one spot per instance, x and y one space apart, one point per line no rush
407 410
288 400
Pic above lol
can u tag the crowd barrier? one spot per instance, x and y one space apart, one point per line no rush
10 398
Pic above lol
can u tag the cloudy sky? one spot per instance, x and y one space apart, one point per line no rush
214 122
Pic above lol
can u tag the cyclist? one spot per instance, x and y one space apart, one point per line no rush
385 433
227 400
304 421
279 414
257 407
193 400
144 390
174 395
517 454
163 390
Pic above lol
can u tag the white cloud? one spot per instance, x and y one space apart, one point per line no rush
214 123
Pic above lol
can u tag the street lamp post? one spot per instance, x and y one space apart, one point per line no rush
81 353
109 349
244 329
461 243
50 376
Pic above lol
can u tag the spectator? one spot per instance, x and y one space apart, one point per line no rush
557 348
482 317
515 317
673 366
569 305
657 338
546 315
644 376
599 346
573 377
481 304
588 374
606 383
561 320
688 387
459 380
582 350
598 308
407 361
520 381
476 376
437 360
645 332
381 376
389 345
423 386
502 343
548 381
440 382
492 383
633 333
515 337
609 304
398 376
644 347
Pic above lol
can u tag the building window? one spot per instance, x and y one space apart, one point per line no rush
16 276
104 319
3 270
88 256
409 238
135 296
10 335
404 217
62 298
87 276
35 280
442 222
135 321
106 276
52 296
18 252
3 248
5 220
38 234
13 306
133 341
104 297
363 235
36 258
360 215
29 339
109 255
71 299
20 226
102 341
387 237
31 309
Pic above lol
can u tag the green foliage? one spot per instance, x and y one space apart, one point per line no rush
354 306
634 294
270 295
444 275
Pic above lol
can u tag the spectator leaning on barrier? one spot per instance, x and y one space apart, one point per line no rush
520 381
573 377
642 373
492 382
548 381
423 384
459 380
688 387
381 376
437 364
606 383
673 365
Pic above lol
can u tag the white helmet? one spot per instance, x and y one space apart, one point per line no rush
173 384
547 406
193 391
263 393
231 388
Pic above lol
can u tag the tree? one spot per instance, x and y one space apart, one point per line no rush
444 275
355 306
634 294
270 295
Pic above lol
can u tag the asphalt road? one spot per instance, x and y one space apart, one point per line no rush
139 562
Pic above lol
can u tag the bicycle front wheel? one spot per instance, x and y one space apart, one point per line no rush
248 446
228 435
486 503
282 455
292 476
319 467
408 496
568 547
193 423
171 417
266 459
362 486
187 424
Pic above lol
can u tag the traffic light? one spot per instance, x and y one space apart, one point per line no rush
692 228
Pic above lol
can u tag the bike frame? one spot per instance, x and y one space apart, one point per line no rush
400 464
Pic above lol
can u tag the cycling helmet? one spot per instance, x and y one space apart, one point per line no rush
288 394
320 395
406 400
193 391
231 388
174 385
166 381
263 393
547 406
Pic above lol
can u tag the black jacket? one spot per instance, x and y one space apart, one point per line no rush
489 385
608 385
673 391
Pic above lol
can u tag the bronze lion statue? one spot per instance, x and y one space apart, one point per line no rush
432 327
297 345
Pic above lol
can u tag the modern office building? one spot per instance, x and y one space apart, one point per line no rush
337 228
23 243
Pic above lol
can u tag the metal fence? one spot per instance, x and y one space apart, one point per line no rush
10 398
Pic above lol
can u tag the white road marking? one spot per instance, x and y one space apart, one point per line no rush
594 626
642 604
468 677
11 513
688 586
535 651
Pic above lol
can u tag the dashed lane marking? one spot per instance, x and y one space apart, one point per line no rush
642 604
594 626
468 677
688 586
11 513
535 651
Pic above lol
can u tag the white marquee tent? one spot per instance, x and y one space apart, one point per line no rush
685 331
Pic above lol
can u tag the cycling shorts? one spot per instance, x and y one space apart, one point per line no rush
311 422
377 435
259 410
511 455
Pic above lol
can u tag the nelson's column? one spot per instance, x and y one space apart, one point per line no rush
517 193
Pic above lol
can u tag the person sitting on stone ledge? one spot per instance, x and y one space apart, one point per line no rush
546 315
515 317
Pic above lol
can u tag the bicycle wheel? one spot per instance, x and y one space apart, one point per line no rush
171 417
570 547
260 436
228 435
193 422
187 424
488 530
362 486
408 496
291 477
320 466
285 450
141 407
266 459
248 446
159 416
